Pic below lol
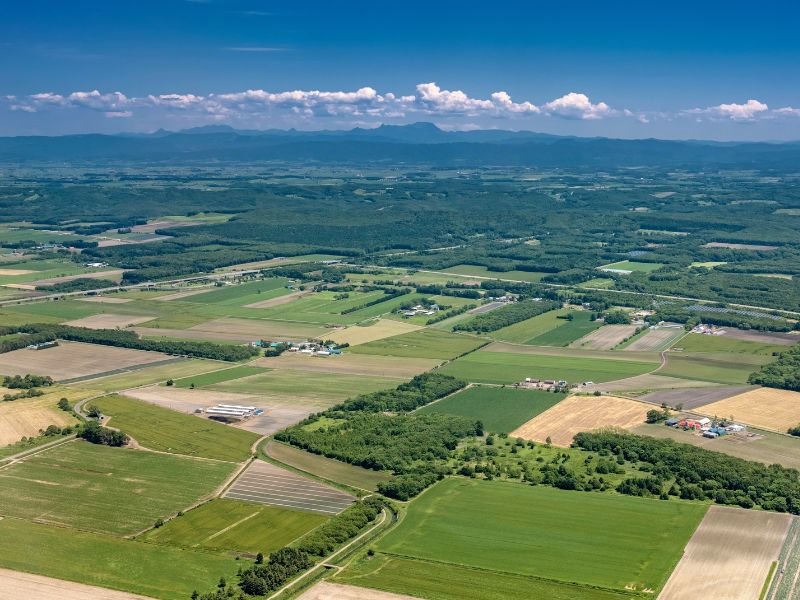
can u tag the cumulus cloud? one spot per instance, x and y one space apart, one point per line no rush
364 104
578 106
788 111
748 111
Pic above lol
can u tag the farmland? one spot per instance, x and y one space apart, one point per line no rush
327 468
715 368
501 410
427 343
352 363
568 332
523 532
152 374
695 342
25 417
166 430
48 486
525 331
233 526
478 271
70 360
605 338
768 408
155 571
632 266
377 330
582 413
729 556
506 367
654 340
218 376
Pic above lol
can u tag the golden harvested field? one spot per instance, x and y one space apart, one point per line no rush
336 591
729 556
354 364
74 359
15 585
106 299
115 274
13 272
383 328
654 339
183 294
110 321
24 418
776 410
582 413
605 338
279 301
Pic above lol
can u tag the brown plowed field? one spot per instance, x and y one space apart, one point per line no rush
605 338
729 555
15 585
582 413
69 360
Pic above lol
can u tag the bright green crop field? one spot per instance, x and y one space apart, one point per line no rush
508 367
501 410
97 488
168 430
524 331
147 569
715 368
694 342
568 331
229 525
244 293
425 343
604 540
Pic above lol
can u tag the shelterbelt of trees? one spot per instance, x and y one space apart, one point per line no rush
38 333
377 431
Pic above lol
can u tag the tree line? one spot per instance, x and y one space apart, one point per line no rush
506 315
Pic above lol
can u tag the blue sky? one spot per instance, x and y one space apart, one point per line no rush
714 70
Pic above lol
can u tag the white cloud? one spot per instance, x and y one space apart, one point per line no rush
748 111
788 111
577 106
118 114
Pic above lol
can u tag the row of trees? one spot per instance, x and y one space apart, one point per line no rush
129 339
29 381
506 315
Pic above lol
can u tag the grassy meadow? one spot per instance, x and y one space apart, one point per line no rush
425 343
158 428
568 331
714 368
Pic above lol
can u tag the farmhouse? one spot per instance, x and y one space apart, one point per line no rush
231 412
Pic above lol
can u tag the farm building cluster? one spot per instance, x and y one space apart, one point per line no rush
230 412
549 385
419 309
315 348
707 330
708 427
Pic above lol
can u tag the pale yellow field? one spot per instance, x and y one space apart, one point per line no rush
115 274
729 555
110 321
15 585
654 339
279 301
582 413
336 591
12 272
25 417
73 359
767 408
605 338
383 328
183 294
256 328
354 364
187 400
105 299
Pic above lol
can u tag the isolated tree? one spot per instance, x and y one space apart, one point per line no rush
259 558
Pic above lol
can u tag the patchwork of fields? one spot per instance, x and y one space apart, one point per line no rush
538 541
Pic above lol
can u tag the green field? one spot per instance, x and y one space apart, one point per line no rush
218 376
605 540
147 569
632 265
568 331
425 343
158 428
442 581
715 368
695 342
478 271
508 367
232 526
42 268
290 386
149 375
104 489
327 468
323 307
501 410
244 293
